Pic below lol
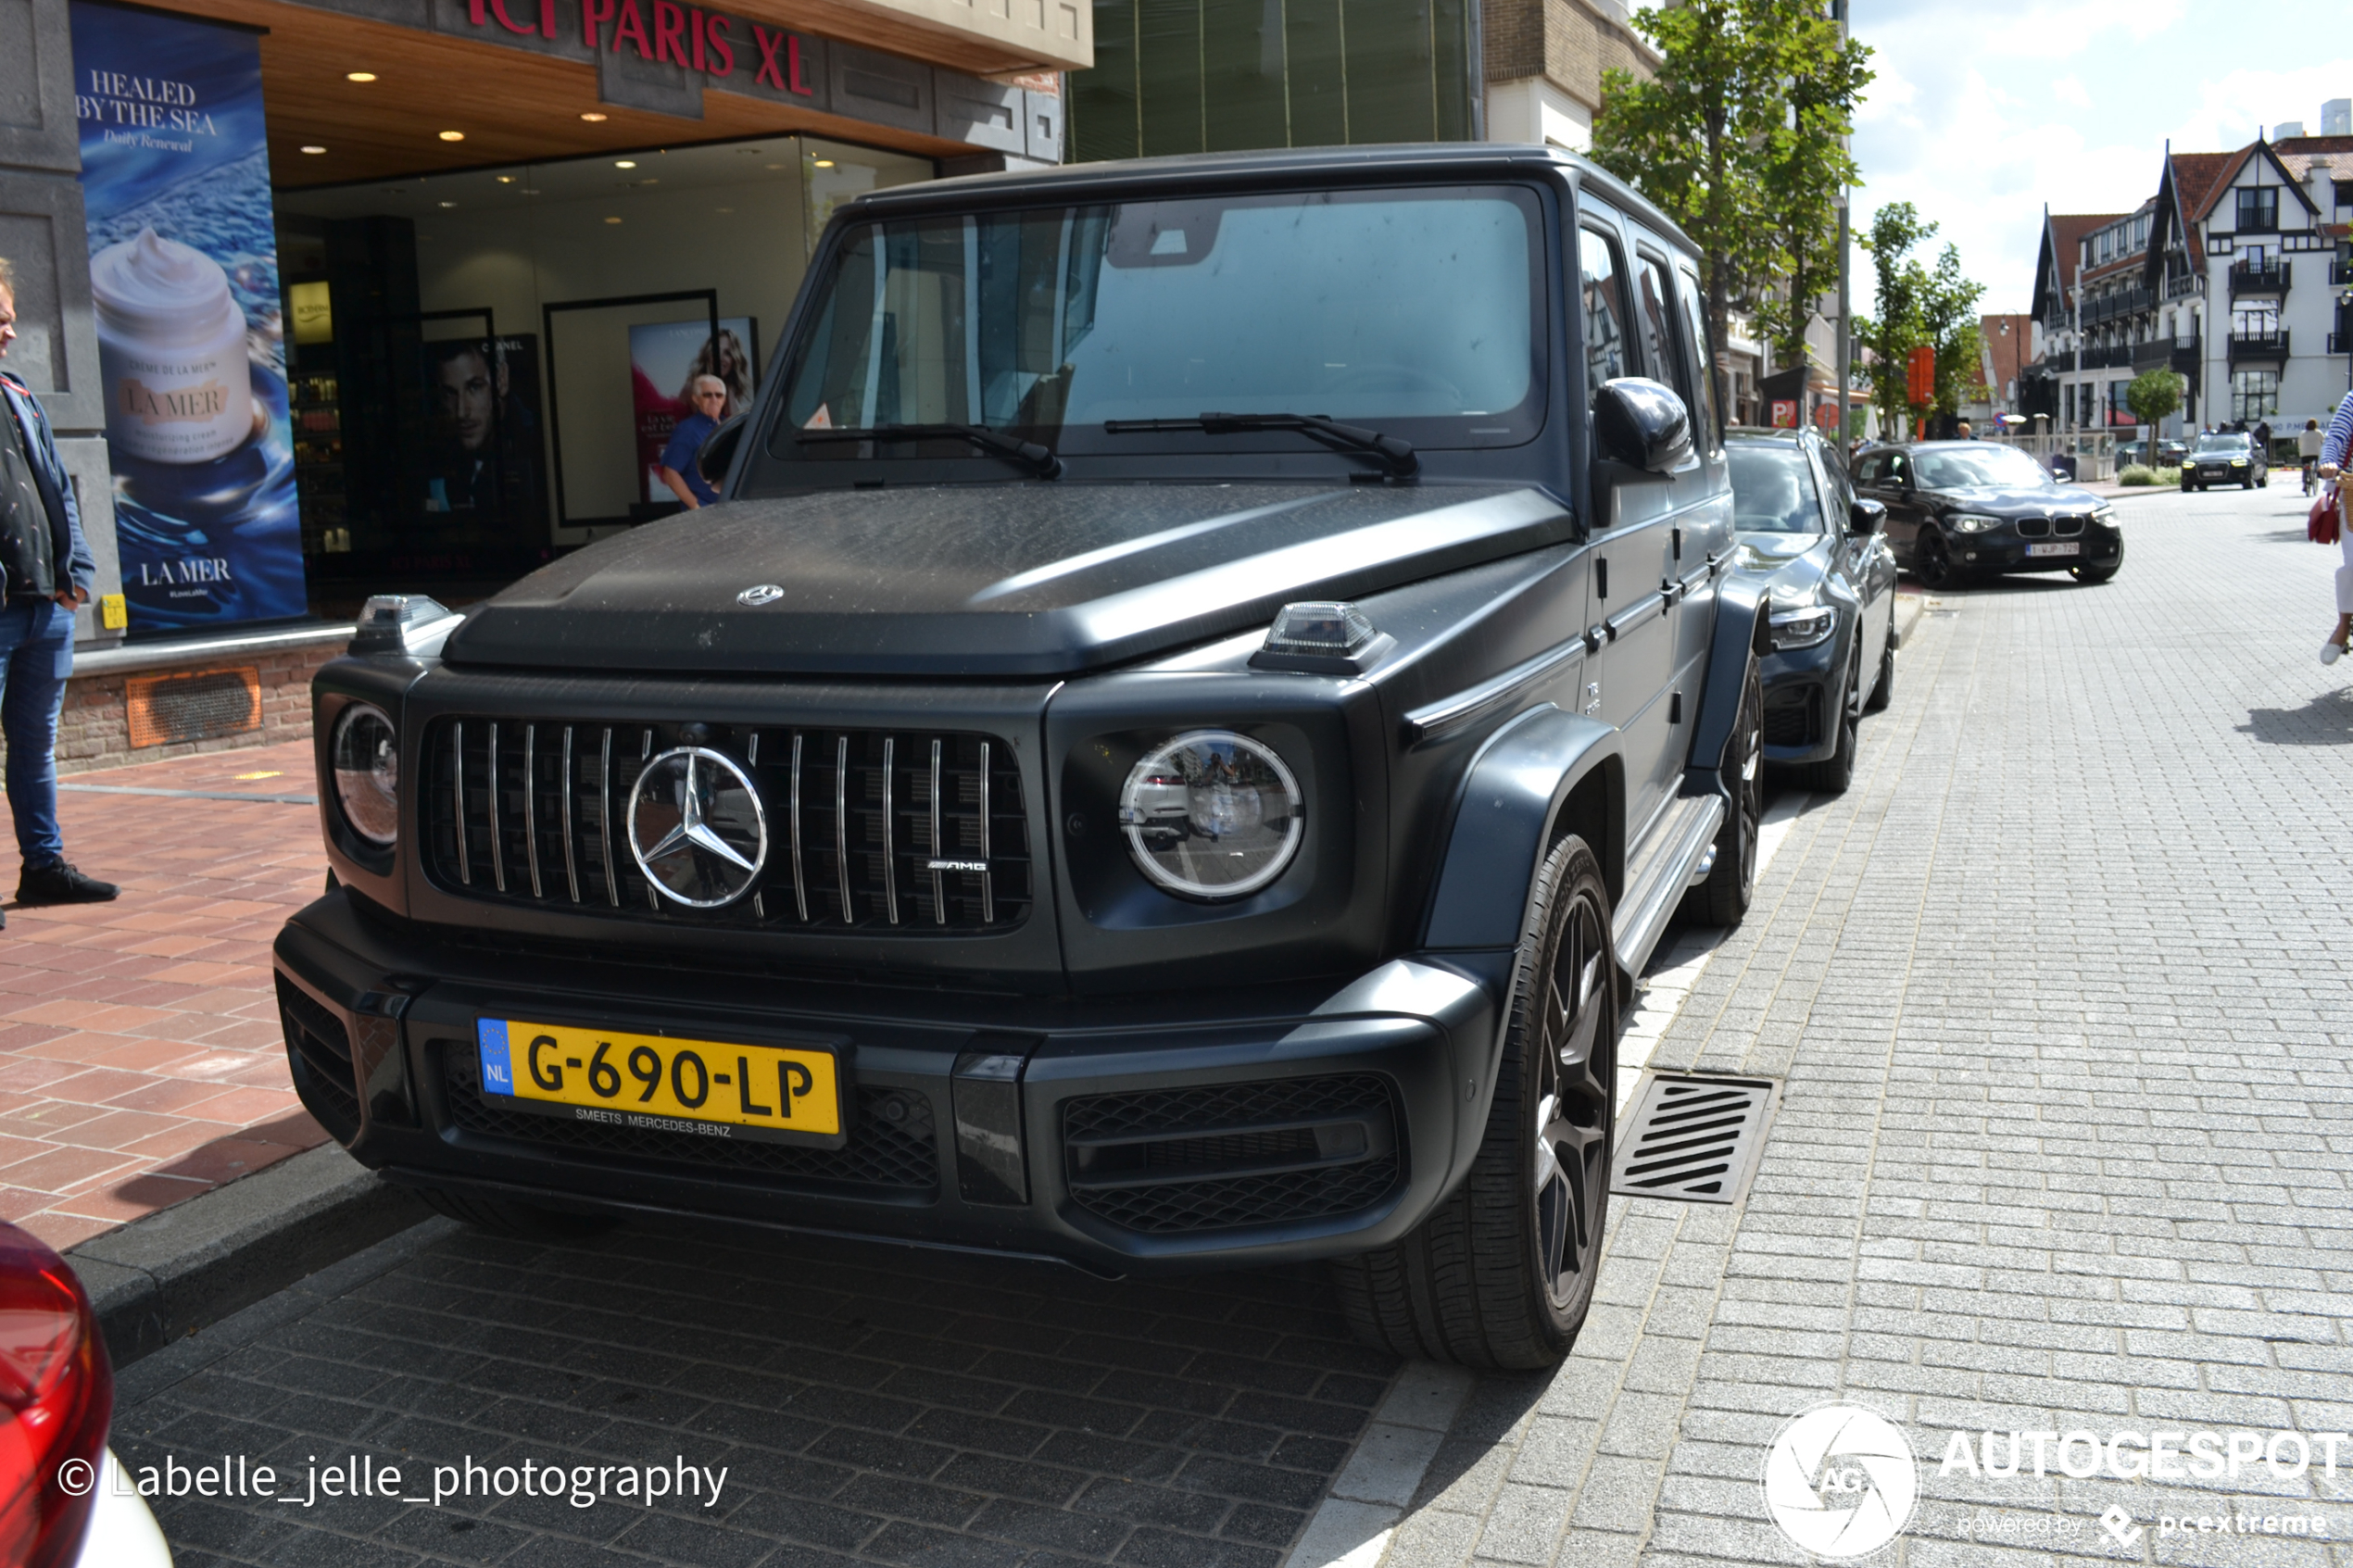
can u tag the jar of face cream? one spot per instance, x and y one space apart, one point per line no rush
171 351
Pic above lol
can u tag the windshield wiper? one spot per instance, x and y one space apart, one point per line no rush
1040 460
1393 452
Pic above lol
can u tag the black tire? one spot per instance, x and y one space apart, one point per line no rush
1500 1274
2201 489
2247 483
1883 690
1722 899
2092 576
1932 562
1834 773
523 1221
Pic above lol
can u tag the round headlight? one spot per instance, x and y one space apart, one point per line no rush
366 764
1212 815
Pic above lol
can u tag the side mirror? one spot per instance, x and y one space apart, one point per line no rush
1642 424
717 452
1863 518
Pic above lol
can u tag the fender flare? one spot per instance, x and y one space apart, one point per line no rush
1511 799
1744 633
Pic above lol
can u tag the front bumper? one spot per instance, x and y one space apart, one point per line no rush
1266 1125
2001 550
1802 690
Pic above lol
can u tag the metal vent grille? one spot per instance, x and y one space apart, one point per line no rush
323 1046
890 1146
1693 1139
1227 1155
1792 717
193 705
860 821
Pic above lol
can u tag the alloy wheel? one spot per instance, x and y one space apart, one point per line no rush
1931 563
1572 1104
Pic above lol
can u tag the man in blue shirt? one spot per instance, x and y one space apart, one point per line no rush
678 468
46 570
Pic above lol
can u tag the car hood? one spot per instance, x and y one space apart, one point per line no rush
1793 563
2017 500
1012 579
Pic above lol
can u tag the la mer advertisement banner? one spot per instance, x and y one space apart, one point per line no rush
183 272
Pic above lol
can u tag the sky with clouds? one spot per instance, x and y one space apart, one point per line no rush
1984 113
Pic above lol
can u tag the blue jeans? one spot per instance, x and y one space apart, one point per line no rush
37 655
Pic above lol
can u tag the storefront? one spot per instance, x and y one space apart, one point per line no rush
469 254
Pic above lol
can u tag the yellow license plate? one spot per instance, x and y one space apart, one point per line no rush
660 1083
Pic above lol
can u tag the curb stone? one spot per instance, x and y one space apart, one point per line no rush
161 1278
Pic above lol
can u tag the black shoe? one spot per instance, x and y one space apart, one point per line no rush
61 884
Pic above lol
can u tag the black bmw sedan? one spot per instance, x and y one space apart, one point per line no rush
1958 510
1800 525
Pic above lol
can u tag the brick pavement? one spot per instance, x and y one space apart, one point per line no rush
2059 995
141 1060
869 1404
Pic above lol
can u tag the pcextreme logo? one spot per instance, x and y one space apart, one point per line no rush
1840 1481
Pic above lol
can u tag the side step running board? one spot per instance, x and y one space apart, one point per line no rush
1684 834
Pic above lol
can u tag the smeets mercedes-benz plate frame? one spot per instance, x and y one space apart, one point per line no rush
659 1083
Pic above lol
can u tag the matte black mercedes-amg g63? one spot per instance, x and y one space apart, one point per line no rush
1207 678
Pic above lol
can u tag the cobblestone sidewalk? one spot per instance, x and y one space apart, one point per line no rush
2059 994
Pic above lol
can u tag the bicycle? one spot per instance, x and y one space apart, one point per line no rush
2312 469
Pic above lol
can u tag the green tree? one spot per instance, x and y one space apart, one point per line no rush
1913 305
1737 140
2154 394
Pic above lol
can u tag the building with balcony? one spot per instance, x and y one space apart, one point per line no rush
2259 234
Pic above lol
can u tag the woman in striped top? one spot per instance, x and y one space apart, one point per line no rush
2332 454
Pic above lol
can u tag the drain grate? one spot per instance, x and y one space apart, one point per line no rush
1692 1138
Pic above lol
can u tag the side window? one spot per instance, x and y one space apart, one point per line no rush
1704 416
1655 317
1894 472
1608 354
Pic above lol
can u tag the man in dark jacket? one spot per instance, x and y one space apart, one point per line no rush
47 569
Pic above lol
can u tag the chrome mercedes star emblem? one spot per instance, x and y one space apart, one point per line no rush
696 827
759 593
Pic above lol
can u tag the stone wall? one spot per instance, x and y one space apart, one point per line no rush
95 728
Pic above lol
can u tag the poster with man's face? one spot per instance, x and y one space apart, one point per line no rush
664 359
489 462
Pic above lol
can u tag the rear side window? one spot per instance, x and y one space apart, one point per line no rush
1656 318
1705 417
1608 354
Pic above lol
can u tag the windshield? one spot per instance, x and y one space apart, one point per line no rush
1963 467
1412 312
1772 490
2221 444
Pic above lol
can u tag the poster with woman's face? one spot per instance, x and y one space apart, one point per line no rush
665 359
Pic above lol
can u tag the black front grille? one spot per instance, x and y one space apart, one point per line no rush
323 1046
1792 717
890 1146
1229 1155
2068 527
2034 528
537 813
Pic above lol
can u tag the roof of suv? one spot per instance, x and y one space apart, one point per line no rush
1281 166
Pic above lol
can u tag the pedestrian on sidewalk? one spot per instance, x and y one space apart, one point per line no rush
46 570
2307 448
2338 436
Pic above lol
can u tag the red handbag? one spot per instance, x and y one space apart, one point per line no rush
2326 521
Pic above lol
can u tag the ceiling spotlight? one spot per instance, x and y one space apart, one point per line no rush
314 149
505 178
825 163
449 204
593 118
722 209
613 219
624 163
359 76
453 135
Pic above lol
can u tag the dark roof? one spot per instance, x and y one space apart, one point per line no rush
1274 167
